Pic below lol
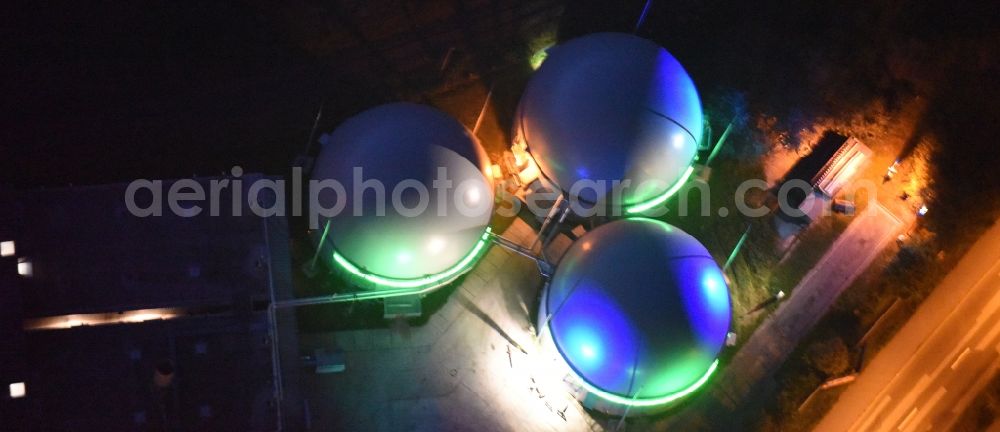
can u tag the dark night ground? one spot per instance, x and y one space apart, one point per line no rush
103 94
107 94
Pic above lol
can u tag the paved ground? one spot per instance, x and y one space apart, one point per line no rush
766 350
453 373
935 365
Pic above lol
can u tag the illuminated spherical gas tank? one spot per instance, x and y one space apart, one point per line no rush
638 310
612 107
417 201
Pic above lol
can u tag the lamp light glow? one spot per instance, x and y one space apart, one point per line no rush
436 244
17 390
472 196
7 248
24 268
677 141
648 402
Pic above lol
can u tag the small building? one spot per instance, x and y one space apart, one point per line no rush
842 167
831 165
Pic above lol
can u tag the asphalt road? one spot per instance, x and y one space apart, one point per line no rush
939 361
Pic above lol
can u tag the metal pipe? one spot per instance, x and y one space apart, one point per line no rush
736 249
635 365
547 221
447 58
322 241
642 16
347 297
555 229
273 329
549 314
718 145
544 267
482 112
312 133
512 246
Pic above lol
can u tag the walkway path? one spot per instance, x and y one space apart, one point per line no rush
753 367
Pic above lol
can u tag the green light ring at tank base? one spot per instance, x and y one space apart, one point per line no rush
647 402
643 206
619 399
421 285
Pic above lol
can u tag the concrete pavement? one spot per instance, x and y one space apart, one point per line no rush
930 371
460 371
455 372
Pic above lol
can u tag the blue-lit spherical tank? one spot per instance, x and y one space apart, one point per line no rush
612 107
415 203
639 311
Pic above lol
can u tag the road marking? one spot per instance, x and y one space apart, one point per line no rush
966 339
986 340
871 418
989 338
990 308
915 422
881 398
960 358
902 425
911 398
993 303
969 394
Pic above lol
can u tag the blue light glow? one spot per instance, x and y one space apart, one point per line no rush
714 290
613 107
638 304
598 339
706 299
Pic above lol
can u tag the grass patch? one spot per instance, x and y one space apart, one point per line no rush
757 272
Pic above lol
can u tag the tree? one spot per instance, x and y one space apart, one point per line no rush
829 356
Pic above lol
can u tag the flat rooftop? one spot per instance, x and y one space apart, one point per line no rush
89 254
95 265
102 377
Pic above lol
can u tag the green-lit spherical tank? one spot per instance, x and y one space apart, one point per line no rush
416 233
